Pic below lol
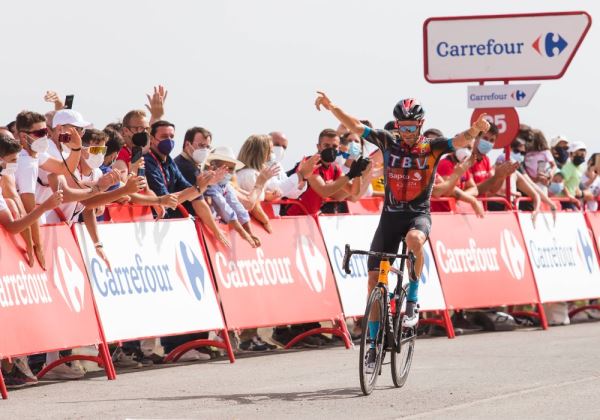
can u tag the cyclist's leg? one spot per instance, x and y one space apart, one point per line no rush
416 236
386 239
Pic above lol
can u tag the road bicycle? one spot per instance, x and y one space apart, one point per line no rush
387 308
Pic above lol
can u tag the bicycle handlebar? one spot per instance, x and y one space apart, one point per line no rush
381 255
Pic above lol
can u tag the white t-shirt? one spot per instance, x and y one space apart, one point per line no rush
3 205
594 186
27 172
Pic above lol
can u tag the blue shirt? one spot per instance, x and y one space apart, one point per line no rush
225 203
163 177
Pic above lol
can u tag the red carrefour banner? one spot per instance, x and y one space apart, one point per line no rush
593 219
287 280
45 310
482 262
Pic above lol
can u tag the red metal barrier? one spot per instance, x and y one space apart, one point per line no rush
127 213
446 200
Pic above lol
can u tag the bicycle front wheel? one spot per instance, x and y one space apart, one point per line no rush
404 345
375 312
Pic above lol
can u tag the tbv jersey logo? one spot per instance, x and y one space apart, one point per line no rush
311 264
193 269
550 44
69 280
585 251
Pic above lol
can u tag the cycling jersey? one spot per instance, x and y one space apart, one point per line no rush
409 171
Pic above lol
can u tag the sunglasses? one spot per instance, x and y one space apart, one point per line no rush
408 128
42 132
97 150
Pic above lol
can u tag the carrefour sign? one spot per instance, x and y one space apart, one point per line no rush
502 47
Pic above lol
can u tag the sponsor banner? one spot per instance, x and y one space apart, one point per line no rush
158 284
45 310
562 256
502 47
500 96
594 222
287 280
481 262
358 231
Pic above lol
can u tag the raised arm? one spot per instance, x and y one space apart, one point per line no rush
350 122
466 137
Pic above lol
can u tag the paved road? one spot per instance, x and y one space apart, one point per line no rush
520 374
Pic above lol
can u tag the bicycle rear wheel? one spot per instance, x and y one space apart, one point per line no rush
375 305
404 345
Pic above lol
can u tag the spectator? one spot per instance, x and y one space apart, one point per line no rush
560 150
191 161
590 183
327 180
539 162
573 170
223 199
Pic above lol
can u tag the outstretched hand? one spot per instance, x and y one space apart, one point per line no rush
323 101
156 102
482 124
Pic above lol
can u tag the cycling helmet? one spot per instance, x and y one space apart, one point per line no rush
408 110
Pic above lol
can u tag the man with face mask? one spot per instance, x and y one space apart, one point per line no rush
559 147
327 180
409 165
574 169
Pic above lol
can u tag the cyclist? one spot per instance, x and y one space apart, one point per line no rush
410 162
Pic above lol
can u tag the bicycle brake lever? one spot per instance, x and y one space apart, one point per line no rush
346 260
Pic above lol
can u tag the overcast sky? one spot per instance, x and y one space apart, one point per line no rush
243 67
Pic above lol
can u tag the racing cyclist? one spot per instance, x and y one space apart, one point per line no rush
410 163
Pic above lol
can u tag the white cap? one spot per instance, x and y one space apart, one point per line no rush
70 117
577 145
557 140
225 154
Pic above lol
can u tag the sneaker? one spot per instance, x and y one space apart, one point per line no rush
460 320
282 336
411 316
22 365
370 361
311 341
13 381
21 377
193 356
64 372
124 361
148 359
254 344
263 342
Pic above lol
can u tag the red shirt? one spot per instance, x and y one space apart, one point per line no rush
481 170
310 198
445 169
125 155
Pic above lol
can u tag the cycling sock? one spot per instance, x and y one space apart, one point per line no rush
413 291
373 329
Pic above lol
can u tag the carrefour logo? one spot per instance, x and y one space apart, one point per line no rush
518 95
550 44
194 271
585 250
512 254
311 264
69 280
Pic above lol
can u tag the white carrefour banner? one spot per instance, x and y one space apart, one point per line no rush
358 231
158 284
562 256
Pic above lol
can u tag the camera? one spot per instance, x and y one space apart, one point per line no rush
64 137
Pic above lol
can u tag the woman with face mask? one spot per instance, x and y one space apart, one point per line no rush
539 162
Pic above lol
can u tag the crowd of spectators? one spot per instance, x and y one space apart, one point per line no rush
57 168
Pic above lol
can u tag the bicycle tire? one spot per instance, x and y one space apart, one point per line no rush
404 345
368 380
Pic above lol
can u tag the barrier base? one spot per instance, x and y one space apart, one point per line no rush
540 314
179 351
97 359
583 308
341 331
443 322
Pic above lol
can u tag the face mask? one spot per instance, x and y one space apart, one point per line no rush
166 146
555 188
279 152
225 180
272 157
462 154
95 161
485 146
563 155
40 145
578 160
328 155
517 157
200 155
10 169
354 150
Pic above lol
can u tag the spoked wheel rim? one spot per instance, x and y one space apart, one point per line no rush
368 380
405 339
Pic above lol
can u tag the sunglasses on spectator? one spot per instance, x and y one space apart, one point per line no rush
42 132
138 129
96 150
408 128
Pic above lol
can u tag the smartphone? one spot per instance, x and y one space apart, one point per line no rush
135 156
64 137
69 101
